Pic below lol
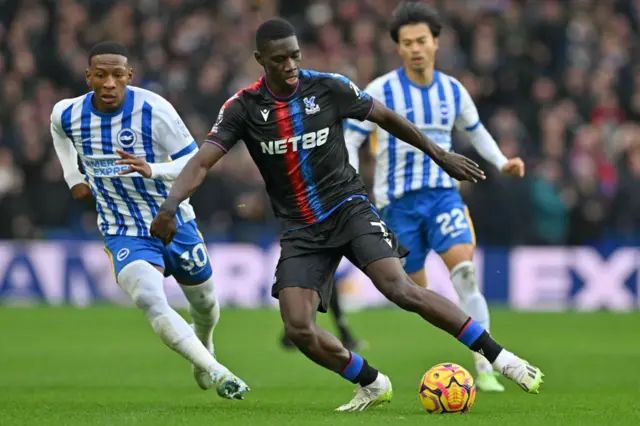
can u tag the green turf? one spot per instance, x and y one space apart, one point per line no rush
104 366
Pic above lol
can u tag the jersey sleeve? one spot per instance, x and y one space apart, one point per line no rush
171 132
228 128
66 152
356 132
350 100
468 121
468 118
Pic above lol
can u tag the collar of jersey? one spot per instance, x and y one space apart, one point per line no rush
402 73
127 98
280 98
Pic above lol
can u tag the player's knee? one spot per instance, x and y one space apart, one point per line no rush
300 331
463 276
149 300
143 283
206 302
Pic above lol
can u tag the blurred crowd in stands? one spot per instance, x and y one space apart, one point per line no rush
556 82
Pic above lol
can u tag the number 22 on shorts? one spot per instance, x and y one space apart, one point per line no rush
452 223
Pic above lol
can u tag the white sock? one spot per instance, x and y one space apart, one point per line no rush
204 309
472 302
144 284
504 358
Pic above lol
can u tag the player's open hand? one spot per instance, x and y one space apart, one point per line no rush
135 164
514 167
164 227
461 168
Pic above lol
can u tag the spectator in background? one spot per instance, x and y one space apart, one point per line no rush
558 81
626 204
549 204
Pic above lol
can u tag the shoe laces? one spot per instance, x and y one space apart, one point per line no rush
515 371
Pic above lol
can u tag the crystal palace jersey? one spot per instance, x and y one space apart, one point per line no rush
147 126
298 142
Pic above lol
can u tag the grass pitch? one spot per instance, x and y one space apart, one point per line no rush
104 366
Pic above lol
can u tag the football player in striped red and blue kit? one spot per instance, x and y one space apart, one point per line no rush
416 198
291 121
132 144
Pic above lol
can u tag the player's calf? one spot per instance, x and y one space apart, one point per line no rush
473 303
205 313
144 284
389 278
204 309
298 309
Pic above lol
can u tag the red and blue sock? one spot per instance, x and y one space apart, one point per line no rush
359 371
476 338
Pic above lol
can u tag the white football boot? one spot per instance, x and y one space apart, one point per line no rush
378 392
527 376
227 384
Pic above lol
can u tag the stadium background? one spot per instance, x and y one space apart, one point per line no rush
556 82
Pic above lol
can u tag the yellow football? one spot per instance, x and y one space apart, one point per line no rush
447 388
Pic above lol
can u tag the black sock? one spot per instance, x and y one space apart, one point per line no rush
487 347
367 375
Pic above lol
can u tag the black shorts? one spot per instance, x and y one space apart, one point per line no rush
310 256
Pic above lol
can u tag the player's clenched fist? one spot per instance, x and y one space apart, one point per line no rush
81 191
460 167
135 164
514 167
164 227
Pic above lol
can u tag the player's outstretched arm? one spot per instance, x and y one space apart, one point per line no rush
164 171
469 121
172 135
457 166
224 134
189 179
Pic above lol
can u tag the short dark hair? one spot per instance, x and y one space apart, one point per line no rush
273 29
108 48
412 12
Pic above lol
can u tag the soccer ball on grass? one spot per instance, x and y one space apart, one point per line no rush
447 388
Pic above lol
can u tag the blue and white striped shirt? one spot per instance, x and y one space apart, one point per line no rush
147 126
435 109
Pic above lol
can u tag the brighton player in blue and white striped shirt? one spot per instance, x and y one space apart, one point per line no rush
417 199
132 144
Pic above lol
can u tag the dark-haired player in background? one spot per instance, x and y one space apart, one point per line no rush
416 198
132 143
291 121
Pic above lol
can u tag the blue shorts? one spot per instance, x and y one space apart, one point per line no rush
186 258
429 219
